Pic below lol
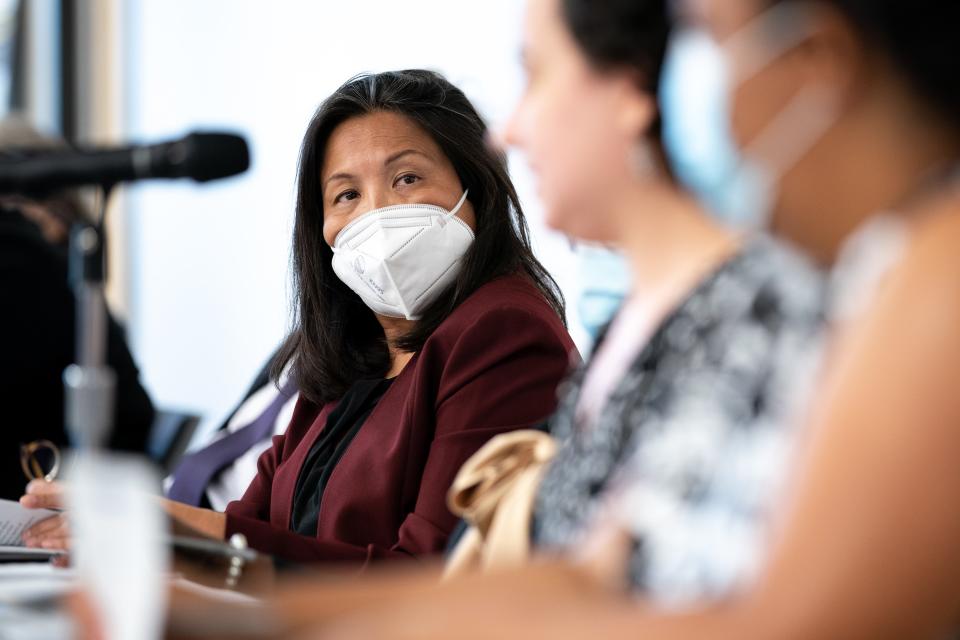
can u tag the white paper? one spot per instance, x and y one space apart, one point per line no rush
15 519
13 571
32 582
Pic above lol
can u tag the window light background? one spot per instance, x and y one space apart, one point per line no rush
208 284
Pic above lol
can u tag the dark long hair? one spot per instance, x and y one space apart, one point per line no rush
623 34
336 340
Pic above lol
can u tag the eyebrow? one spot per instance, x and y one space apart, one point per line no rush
402 154
393 158
337 176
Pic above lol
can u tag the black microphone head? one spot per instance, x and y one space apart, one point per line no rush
206 156
202 156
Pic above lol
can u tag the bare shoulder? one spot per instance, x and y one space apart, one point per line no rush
910 333
903 347
924 286
933 250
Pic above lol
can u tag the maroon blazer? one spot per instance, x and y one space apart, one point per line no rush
492 366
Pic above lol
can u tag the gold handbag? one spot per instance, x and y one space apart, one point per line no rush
494 493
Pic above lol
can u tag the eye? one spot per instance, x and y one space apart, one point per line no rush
407 179
345 196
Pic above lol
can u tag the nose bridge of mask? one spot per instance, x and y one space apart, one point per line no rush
391 219
398 216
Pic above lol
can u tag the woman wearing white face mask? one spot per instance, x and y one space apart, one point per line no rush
424 327
847 114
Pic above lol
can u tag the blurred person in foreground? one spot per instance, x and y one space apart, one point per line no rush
847 118
38 324
698 373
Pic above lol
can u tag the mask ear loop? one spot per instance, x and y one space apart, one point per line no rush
454 211
792 21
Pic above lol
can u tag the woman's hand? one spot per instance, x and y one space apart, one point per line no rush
53 532
42 494
194 521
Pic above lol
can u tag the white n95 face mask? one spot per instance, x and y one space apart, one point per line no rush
399 259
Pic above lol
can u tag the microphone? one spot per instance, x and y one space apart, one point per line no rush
202 156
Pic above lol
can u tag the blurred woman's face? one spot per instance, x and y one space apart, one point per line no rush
380 160
789 83
579 127
756 100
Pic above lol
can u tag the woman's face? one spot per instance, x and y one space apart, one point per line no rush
380 160
579 127
782 61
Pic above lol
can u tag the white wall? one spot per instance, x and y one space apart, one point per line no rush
208 283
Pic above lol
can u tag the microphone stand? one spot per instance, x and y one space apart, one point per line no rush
117 532
90 383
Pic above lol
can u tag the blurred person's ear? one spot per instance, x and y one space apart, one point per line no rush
636 108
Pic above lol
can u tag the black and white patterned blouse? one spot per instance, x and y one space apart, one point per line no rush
693 444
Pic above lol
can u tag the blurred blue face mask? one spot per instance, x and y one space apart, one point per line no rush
604 282
699 80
